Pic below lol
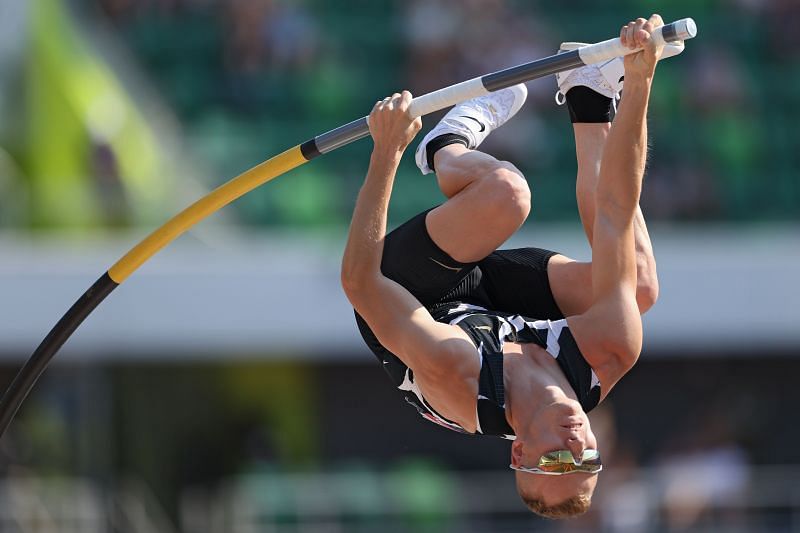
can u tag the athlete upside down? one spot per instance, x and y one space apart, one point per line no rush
477 339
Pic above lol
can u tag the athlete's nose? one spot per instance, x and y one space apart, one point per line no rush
576 445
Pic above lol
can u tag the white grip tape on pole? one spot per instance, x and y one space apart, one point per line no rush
605 50
449 96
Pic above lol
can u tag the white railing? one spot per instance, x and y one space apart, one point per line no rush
77 505
762 499
754 499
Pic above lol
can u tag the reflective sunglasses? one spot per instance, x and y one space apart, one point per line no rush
562 462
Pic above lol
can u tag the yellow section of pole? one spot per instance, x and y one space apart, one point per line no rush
212 202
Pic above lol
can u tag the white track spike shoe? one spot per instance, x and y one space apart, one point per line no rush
474 120
605 78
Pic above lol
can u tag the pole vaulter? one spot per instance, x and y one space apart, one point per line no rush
280 164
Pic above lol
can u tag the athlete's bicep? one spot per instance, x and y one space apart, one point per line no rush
403 325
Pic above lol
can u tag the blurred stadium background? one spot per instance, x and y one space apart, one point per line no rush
224 388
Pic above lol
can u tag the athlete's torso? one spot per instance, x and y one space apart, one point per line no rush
489 330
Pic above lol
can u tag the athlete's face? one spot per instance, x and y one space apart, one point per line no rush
559 426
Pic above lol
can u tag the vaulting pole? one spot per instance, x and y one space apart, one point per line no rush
282 163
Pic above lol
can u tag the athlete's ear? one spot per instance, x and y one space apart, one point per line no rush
516 453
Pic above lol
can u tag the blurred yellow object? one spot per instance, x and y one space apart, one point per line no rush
78 112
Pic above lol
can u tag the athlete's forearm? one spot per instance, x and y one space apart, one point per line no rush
392 129
362 255
625 154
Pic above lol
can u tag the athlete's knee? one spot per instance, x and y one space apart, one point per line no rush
508 191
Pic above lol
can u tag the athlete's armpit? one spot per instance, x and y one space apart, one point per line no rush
440 355
406 328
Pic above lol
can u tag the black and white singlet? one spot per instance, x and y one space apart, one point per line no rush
489 330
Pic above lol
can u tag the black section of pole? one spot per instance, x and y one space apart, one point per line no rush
309 149
28 375
679 30
530 71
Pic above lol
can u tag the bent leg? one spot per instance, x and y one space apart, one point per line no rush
488 200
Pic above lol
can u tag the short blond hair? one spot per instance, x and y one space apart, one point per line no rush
569 508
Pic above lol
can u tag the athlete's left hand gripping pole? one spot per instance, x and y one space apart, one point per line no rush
280 164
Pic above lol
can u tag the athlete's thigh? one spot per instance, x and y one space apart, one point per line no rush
571 284
412 259
482 216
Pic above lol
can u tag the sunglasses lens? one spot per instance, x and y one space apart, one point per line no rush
564 468
562 461
557 457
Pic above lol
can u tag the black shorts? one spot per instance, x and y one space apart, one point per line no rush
512 281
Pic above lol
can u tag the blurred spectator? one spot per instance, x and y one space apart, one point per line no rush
245 45
696 482
781 15
432 31
291 36
686 190
266 44
627 503
720 96
717 80
269 35
449 40
702 468
108 185
265 69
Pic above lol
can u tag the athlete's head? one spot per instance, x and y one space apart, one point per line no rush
559 426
